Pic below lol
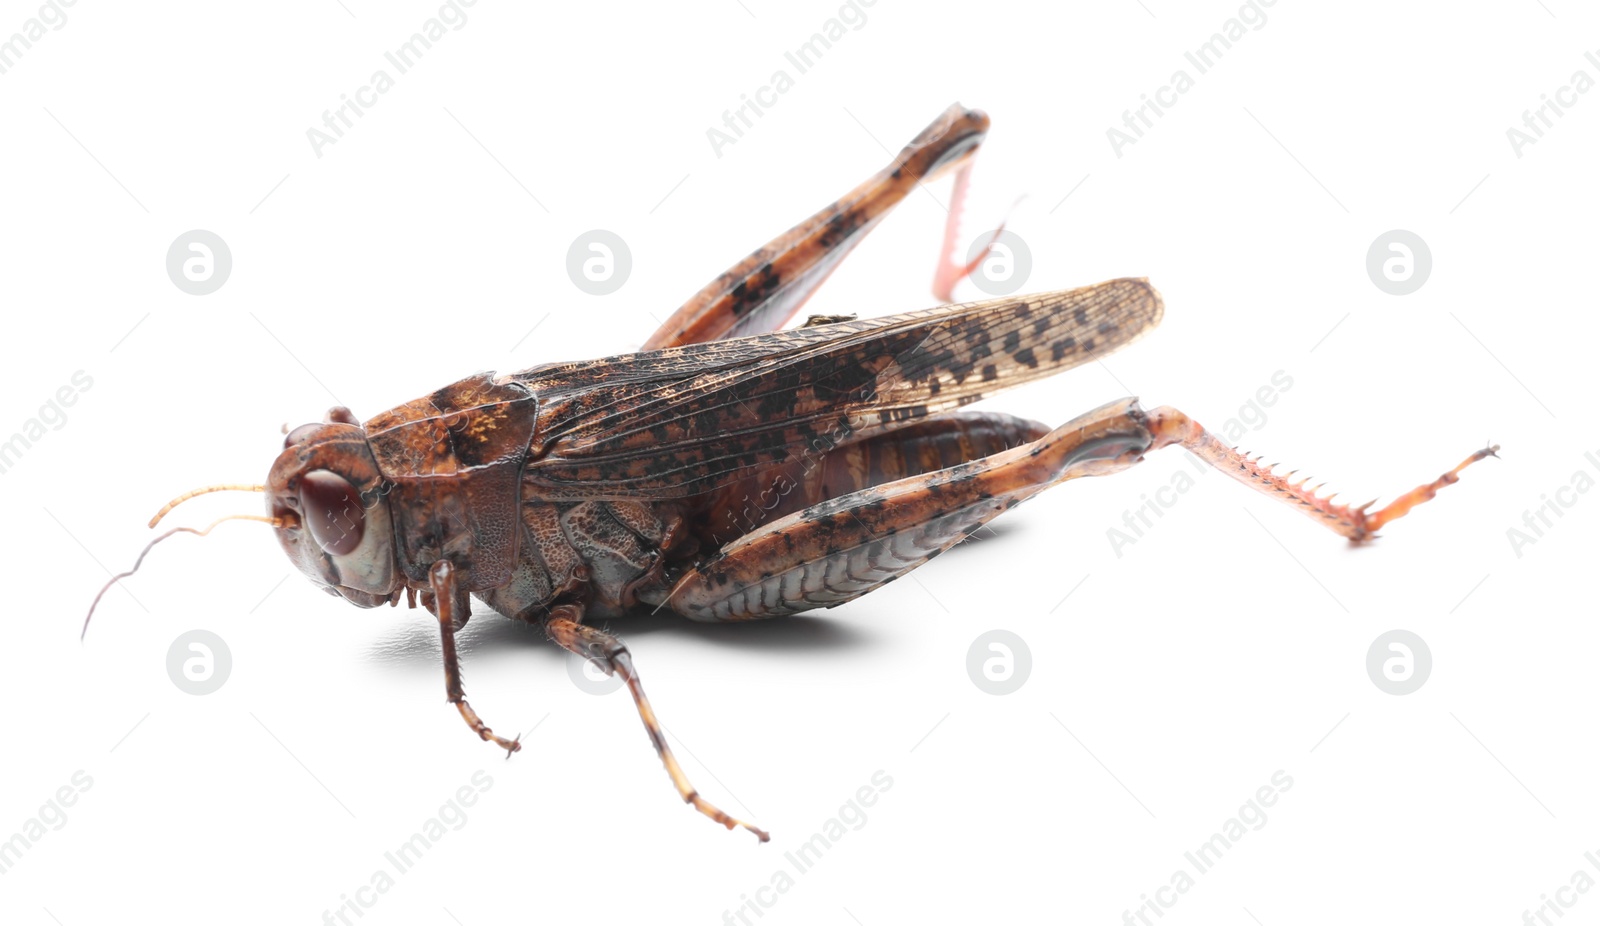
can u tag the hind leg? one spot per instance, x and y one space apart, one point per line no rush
763 291
835 551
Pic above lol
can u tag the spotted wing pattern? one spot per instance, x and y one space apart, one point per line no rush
686 420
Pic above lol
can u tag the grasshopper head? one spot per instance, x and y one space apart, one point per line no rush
329 502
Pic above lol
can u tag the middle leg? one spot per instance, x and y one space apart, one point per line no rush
611 657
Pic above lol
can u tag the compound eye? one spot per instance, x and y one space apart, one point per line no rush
299 434
332 510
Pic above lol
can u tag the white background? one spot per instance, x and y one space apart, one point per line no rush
1223 646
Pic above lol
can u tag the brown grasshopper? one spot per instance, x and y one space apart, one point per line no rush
732 471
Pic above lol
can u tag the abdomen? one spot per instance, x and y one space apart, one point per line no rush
605 553
811 477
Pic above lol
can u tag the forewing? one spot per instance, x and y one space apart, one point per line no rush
687 420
